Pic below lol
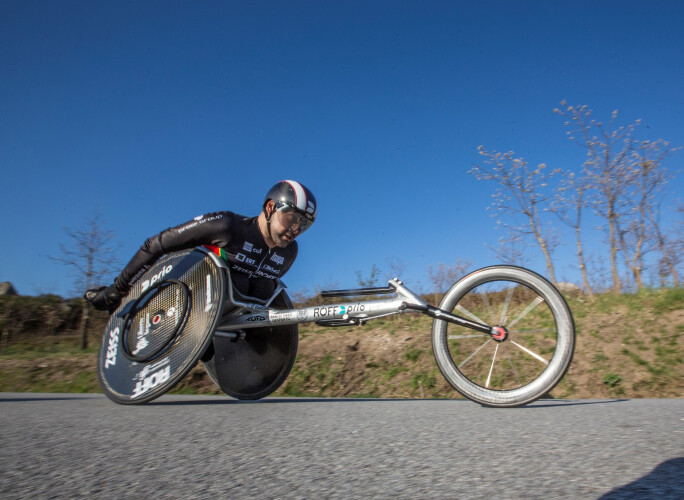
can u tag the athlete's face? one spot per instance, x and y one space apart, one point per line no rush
282 232
284 226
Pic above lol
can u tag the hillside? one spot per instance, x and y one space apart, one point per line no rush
627 346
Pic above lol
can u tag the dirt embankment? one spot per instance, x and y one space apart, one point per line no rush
625 351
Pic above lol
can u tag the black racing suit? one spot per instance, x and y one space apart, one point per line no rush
236 238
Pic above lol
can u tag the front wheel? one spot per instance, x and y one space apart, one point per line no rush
529 349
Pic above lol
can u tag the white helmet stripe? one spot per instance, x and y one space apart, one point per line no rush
300 195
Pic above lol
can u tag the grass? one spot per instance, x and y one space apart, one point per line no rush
58 347
413 354
668 300
394 371
612 379
635 357
627 343
53 375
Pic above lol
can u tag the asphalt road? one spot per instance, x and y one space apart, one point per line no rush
84 446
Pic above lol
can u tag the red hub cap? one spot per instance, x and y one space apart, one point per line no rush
499 333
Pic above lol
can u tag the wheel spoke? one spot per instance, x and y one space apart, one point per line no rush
511 363
456 337
473 354
491 368
465 311
488 306
509 294
534 355
527 310
547 330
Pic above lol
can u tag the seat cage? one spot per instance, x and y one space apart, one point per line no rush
237 302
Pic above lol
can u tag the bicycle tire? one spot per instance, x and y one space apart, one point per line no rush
536 340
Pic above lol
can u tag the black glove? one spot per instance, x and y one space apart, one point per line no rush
104 298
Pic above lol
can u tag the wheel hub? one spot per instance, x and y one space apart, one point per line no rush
499 333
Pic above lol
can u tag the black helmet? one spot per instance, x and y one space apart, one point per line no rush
294 196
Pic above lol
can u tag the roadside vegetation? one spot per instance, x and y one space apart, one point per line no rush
628 345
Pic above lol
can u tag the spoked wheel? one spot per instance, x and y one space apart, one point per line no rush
530 346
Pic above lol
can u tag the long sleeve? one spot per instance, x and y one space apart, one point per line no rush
209 229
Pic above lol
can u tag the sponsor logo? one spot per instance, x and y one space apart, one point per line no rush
280 317
320 312
252 272
140 345
243 258
266 275
143 329
148 283
277 259
352 308
173 310
301 315
146 383
258 307
341 310
209 304
256 318
145 325
199 220
249 247
185 228
112 347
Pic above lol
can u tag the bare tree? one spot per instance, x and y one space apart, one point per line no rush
642 230
91 258
510 249
671 246
671 252
444 276
522 192
395 268
568 204
608 168
626 180
372 279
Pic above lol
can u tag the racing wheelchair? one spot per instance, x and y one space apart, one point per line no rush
502 336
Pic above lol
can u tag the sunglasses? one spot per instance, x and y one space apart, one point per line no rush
292 218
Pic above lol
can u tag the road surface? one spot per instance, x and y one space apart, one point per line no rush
85 446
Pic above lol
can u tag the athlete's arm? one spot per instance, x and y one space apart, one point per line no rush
210 229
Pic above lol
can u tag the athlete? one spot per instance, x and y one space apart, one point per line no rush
257 249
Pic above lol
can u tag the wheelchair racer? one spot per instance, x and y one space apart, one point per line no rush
257 249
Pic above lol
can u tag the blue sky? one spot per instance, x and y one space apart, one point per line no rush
151 113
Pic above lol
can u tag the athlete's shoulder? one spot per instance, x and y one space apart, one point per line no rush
205 221
225 217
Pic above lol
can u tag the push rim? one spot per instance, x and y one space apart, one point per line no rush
141 306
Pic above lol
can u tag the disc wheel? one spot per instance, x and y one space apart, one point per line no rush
530 346
255 366
162 327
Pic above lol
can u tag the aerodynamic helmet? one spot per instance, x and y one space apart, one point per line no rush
294 198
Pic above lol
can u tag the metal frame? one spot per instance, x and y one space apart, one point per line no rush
249 312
